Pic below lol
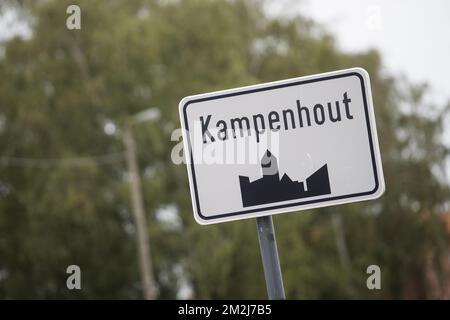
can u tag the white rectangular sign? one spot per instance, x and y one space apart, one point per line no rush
282 146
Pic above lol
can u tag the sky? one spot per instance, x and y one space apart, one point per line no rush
412 35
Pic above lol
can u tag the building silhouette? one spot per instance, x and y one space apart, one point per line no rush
270 188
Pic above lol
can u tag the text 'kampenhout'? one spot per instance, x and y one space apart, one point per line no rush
286 119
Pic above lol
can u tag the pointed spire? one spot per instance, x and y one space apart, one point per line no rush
269 164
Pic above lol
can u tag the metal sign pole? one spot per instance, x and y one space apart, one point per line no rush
270 259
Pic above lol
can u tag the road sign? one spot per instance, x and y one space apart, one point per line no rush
282 146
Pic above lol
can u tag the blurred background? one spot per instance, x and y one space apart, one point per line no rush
76 149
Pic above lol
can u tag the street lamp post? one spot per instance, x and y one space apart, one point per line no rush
137 203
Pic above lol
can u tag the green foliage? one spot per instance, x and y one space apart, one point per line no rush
60 87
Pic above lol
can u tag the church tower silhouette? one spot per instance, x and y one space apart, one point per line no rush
270 188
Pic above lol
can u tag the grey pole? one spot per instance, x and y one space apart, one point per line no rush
137 206
271 262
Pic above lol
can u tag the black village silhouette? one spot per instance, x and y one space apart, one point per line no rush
270 188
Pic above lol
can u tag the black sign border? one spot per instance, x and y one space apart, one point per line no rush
272 87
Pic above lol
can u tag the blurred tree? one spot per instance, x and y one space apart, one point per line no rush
63 86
